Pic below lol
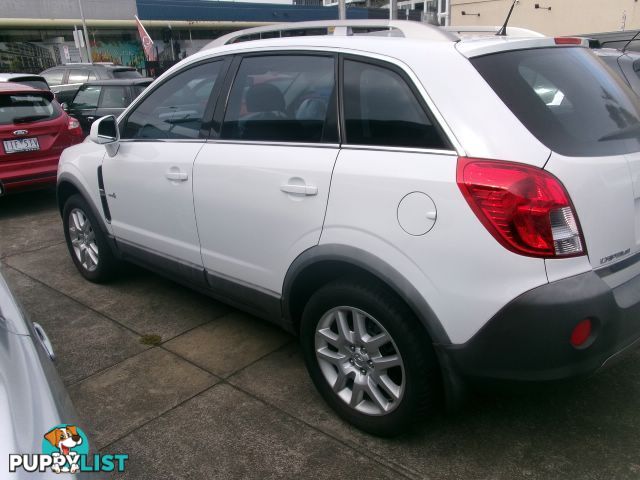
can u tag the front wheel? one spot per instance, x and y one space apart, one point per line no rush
369 357
86 242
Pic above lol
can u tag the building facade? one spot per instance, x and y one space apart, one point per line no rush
36 34
551 17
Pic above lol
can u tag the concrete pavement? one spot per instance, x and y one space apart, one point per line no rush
225 395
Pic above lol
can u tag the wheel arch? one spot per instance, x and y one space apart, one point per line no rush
324 263
68 186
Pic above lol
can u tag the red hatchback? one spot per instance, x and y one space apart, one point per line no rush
34 130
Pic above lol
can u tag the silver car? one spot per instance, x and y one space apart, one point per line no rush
32 396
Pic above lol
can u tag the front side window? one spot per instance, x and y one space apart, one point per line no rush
114 97
175 109
381 109
281 98
87 97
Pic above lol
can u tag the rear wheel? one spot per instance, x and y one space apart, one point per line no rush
86 242
369 357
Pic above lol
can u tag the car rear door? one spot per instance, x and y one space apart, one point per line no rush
261 184
149 181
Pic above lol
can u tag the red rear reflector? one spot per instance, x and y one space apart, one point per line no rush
581 333
525 208
568 41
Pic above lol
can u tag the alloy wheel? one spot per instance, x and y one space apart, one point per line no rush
83 240
360 360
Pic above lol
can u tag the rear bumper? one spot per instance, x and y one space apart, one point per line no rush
27 174
528 340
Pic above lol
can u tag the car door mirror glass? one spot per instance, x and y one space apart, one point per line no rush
105 131
65 107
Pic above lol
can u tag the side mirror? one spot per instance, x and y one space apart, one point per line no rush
65 107
104 131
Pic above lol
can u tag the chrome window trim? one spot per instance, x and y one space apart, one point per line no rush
274 144
385 148
382 148
163 140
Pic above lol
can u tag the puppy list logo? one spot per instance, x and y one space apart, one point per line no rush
65 449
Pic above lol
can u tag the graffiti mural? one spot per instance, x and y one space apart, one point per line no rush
120 53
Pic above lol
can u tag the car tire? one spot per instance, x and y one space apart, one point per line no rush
348 368
87 243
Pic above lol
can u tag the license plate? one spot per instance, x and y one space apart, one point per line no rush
21 145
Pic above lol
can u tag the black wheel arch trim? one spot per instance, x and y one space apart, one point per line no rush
373 265
70 179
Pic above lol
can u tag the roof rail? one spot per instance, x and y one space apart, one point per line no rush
480 31
404 28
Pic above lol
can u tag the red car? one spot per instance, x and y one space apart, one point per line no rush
34 130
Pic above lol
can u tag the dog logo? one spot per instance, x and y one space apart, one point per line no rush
68 441
65 449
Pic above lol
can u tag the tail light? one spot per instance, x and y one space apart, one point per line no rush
568 40
74 127
525 208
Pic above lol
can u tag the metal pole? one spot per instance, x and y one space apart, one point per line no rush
342 10
86 34
393 9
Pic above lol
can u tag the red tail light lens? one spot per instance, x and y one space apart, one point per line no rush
74 127
525 208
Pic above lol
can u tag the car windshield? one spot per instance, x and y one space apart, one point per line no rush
567 98
26 107
126 73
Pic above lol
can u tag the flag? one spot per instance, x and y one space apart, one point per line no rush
147 43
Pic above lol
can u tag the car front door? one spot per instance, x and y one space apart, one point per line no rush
84 104
149 181
261 184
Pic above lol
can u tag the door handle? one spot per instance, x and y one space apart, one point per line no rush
176 176
299 189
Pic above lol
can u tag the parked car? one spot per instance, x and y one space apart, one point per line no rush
35 81
420 228
626 64
34 130
32 398
65 80
104 97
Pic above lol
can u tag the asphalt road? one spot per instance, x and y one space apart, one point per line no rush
226 396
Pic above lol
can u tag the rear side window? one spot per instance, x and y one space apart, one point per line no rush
114 97
176 108
126 74
26 107
567 98
282 98
54 77
87 97
381 109
78 76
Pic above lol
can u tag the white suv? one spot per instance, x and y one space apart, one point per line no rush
423 211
